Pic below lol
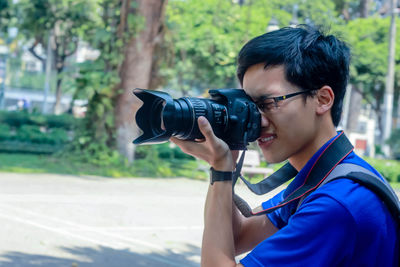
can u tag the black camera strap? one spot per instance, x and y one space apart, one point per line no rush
333 154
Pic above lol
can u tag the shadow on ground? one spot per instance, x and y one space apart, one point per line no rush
102 257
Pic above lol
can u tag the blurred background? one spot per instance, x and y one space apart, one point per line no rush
68 68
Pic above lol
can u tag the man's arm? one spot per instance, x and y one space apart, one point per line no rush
221 223
218 248
248 232
226 232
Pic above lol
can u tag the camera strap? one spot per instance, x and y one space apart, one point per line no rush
332 155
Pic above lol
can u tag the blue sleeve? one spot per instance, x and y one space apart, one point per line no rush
320 233
275 217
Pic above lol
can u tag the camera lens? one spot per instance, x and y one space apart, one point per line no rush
188 110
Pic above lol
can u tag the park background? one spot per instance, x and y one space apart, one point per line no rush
68 68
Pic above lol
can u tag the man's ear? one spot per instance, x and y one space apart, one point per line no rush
325 97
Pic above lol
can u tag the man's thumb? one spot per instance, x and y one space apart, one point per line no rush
205 127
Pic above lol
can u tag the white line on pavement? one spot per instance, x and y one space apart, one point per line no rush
85 228
59 231
80 237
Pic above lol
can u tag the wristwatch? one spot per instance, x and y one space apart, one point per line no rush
217 176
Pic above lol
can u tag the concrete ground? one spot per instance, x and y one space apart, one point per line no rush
63 220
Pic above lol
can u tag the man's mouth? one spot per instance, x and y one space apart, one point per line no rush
266 138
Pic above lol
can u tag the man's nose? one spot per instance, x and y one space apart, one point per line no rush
264 121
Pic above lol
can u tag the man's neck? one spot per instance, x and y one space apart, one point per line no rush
299 160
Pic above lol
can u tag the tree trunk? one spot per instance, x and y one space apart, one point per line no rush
389 88
57 104
397 123
354 110
364 8
59 64
356 96
136 71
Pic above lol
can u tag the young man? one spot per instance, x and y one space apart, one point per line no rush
297 77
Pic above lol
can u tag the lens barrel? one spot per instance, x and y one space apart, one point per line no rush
189 109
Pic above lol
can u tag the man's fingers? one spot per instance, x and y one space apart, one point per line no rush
206 129
176 141
189 147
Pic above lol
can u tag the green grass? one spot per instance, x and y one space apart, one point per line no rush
396 186
34 163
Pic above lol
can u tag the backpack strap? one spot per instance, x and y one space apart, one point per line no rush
368 179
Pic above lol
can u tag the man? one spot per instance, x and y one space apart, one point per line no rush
297 77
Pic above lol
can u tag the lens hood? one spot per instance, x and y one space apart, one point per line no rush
149 117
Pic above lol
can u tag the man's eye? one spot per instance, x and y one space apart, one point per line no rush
265 106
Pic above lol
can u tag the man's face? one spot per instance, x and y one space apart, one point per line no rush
289 128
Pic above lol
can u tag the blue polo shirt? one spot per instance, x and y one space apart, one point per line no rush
340 224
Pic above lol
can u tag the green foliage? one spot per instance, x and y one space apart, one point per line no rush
97 80
15 146
33 163
34 133
68 17
5 15
370 52
37 135
165 151
31 133
390 169
19 118
394 143
5 132
204 37
65 21
14 118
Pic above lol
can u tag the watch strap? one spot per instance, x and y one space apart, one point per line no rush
218 176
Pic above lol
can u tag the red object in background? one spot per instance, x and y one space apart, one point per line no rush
361 144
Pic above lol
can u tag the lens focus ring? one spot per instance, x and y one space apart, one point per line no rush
199 108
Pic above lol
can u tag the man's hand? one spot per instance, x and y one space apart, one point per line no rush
211 149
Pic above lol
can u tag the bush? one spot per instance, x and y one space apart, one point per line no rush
58 136
5 132
28 147
19 118
163 151
34 133
30 133
64 121
394 142
390 169
14 119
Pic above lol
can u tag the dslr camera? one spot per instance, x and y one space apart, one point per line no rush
233 116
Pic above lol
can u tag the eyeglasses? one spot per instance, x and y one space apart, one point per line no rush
269 104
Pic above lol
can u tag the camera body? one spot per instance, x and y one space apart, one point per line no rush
233 116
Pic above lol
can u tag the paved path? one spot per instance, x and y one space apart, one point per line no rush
62 220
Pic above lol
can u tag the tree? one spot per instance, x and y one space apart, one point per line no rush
126 34
137 66
5 15
95 141
65 20
369 60
203 38
369 63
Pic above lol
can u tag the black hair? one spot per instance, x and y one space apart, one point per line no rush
310 59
